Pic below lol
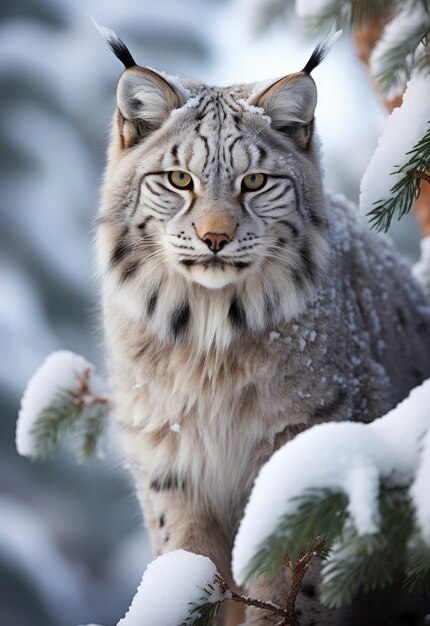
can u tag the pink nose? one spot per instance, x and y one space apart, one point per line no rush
216 241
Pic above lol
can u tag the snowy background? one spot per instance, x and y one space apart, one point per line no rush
72 548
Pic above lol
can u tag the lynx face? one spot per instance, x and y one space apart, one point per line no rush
217 188
227 195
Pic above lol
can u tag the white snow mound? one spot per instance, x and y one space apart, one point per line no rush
420 490
171 584
421 269
60 370
344 457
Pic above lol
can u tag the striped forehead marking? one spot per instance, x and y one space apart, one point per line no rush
220 138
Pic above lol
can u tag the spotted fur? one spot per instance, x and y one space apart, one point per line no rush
218 359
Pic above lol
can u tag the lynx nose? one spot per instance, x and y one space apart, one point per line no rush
216 241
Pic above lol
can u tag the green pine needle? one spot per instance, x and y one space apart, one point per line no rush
418 565
363 563
203 614
357 563
92 427
401 58
55 422
406 190
320 517
67 417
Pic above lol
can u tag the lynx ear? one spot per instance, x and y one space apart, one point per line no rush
290 103
145 100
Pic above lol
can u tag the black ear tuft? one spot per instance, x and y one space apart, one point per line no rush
321 51
116 44
317 57
121 51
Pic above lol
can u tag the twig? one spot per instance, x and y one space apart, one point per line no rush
422 175
289 613
298 571
85 397
237 597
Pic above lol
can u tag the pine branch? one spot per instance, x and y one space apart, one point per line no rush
298 573
91 430
350 14
369 561
55 422
314 522
203 615
417 575
259 604
71 413
407 189
394 58
357 562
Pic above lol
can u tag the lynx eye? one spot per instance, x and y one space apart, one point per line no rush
180 180
253 182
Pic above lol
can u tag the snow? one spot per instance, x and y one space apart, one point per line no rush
421 270
407 25
362 486
403 129
346 457
251 108
176 427
420 490
171 584
192 103
60 370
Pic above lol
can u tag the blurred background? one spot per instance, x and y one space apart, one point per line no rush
72 545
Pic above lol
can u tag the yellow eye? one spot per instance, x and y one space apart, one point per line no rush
253 182
180 180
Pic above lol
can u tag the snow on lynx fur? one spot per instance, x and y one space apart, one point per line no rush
242 303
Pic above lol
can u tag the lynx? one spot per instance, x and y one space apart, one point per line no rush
242 302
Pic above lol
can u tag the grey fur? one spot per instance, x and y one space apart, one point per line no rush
320 321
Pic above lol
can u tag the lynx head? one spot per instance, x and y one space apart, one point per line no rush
213 220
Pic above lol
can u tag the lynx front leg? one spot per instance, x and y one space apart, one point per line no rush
175 519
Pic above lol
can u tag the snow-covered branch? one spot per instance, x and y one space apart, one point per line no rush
391 181
402 47
64 397
177 589
366 489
